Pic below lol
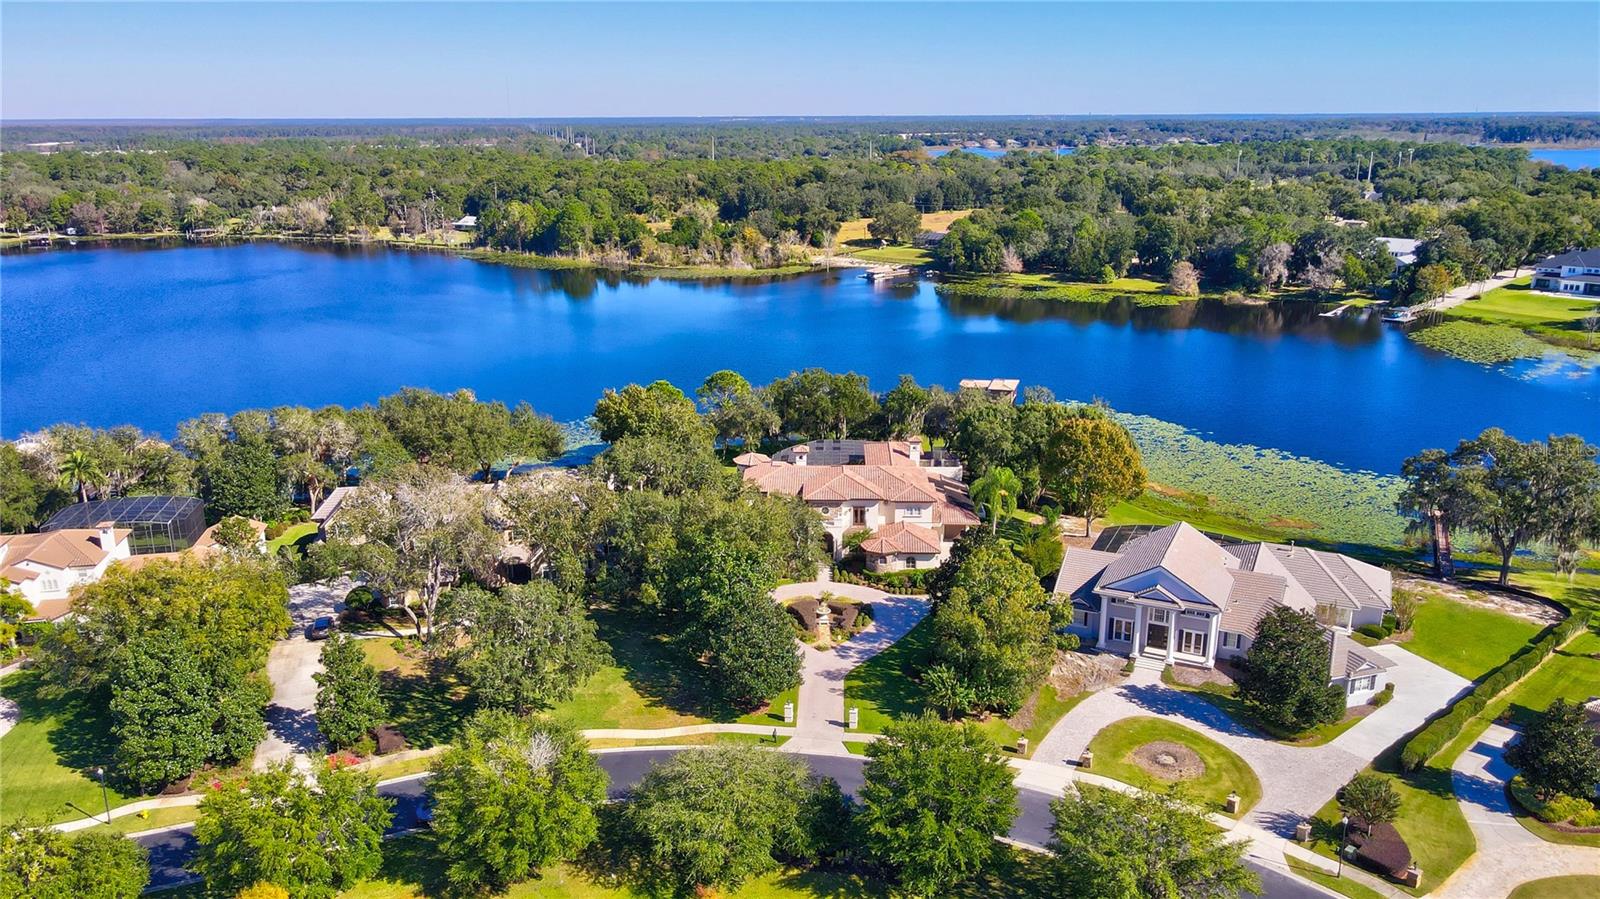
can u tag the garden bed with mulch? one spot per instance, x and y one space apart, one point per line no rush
1168 761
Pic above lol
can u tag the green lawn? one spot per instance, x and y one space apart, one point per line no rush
1048 708
1572 886
1518 306
894 255
1468 639
882 687
1342 885
304 531
428 707
47 759
1225 771
1430 821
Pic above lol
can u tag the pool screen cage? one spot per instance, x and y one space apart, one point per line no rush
160 524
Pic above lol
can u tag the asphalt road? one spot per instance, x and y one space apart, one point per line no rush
171 849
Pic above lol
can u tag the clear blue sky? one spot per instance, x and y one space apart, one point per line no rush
601 59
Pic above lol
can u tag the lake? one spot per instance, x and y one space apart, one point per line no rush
1573 159
152 336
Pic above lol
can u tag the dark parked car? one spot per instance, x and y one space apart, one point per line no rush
319 629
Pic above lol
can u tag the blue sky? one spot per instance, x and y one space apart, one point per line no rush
602 59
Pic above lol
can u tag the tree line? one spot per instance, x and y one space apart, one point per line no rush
1247 216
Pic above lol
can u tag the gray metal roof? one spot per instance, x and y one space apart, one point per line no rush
1586 257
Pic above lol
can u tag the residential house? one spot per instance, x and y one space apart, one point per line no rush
1403 250
465 223
1178 596
159 524
328 509
911 507
1003 389
45 567
1572 272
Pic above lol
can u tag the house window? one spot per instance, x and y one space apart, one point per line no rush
50 585
1192 642
1122 630
911 561
1083 618
1333 616
858 515
1159 616
1232 641
1362 684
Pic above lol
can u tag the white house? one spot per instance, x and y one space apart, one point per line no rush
44 567
1403 250
1572 272
465 223
912 508
1177 596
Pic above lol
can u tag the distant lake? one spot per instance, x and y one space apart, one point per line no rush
992 152
1572 159
153 336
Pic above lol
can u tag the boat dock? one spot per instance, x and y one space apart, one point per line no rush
1335 313
888 272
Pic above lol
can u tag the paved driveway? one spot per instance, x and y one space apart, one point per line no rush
820 720
291 666
1295 780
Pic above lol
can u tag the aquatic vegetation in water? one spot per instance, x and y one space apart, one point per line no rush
1476 342
1043 287
1276 489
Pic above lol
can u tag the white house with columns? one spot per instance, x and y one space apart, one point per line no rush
1176 596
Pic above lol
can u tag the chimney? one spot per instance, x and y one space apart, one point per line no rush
800 454
108 535
916 450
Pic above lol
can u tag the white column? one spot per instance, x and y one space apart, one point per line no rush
1211 641
1141 623
1172 635
1105 620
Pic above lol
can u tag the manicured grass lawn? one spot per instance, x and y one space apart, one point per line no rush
161 817
1571 673
694 740
1468 639
894 255
881 687
1048 708
1572 886
1042 286
429 708
1430 821
47 759
1342 885
292 537
1517 305
1225 771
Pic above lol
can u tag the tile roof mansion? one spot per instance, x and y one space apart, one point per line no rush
913 506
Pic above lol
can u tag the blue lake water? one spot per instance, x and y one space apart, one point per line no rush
1572 159
153 336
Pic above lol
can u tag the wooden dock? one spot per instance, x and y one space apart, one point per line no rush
888 272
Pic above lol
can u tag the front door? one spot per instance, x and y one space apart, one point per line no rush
1155 637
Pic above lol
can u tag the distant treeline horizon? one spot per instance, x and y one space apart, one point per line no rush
768 136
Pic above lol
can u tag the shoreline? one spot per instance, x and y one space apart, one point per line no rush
12 244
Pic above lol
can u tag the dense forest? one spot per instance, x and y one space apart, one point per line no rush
1248 215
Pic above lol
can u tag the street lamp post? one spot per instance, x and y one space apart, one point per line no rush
1344 837
100 772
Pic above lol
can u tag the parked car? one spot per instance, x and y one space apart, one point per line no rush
319 629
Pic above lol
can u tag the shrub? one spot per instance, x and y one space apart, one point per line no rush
1375 631
1068 642
1441 730
1383 697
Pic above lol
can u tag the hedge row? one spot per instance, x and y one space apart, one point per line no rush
912 581
1441 730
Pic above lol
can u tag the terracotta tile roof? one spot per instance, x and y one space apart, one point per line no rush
63 549
901 537
841 483
51 609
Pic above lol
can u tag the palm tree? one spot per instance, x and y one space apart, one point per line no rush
997 492
80 469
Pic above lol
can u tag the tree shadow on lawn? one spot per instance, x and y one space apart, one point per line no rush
655 669
888 679
83 738
428 706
